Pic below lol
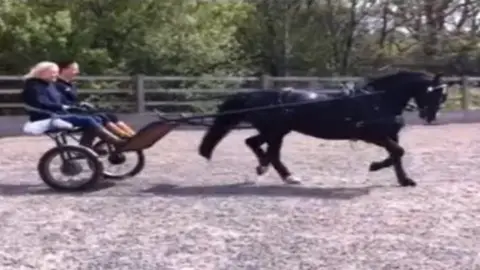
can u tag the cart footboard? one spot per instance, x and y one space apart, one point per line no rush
148 136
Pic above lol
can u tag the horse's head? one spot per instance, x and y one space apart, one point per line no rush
430 101
428 92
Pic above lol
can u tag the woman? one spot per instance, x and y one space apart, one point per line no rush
40 92
68 71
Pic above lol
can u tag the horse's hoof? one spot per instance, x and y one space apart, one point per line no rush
407 182
375 166
261 169
292 180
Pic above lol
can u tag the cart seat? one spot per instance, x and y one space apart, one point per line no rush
47 126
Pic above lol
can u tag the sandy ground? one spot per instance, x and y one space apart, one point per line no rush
182 213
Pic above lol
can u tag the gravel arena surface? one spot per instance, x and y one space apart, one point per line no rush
184 213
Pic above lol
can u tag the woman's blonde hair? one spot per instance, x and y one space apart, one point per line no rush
39 67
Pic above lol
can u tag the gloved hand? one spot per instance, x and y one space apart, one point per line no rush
73 109
87 105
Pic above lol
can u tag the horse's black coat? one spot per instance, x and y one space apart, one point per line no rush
373 116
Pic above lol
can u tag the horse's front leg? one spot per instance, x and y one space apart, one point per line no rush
396 153
255 143
387 162
378 165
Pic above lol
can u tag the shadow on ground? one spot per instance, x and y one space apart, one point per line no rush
343 193
254 190
41 189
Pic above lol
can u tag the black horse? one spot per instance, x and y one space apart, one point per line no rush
373 116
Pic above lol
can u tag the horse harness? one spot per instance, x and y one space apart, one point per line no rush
286 111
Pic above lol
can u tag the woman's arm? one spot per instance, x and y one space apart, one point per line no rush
40 95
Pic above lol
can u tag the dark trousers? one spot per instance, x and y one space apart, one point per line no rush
106 117
82 121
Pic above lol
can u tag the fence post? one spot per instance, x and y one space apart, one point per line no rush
266 82
465 92
140 93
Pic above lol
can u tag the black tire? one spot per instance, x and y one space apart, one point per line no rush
92 159
139 166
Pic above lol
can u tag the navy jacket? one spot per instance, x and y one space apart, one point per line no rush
42 95
68 91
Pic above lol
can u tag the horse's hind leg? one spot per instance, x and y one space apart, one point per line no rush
255 143
273 153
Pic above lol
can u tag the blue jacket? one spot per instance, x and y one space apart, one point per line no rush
42 95
68 91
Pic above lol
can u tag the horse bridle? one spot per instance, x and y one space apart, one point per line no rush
441 86
411 106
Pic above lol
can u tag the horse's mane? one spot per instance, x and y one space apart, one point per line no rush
398 72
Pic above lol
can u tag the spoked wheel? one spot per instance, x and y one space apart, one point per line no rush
73 161
119 166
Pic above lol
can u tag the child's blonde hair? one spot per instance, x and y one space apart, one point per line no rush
39 67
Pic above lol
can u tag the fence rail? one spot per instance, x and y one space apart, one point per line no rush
138 88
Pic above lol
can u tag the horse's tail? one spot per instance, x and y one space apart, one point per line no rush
222 124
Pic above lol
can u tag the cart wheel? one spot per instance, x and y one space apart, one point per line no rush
73 161
119 166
